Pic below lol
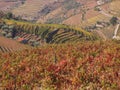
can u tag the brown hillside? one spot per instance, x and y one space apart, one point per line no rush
10 45
8 5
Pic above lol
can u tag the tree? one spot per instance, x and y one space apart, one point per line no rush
14 31
9 15
1 14
36 30
113 20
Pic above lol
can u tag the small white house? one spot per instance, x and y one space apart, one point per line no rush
100 2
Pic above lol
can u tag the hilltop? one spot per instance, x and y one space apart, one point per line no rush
36 34
70 12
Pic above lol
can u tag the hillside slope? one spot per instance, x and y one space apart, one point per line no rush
70 12
52 11
113 8
76 66
9 45
31 8
8 5
49 33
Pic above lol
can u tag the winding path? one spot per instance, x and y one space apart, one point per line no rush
117 27
115 32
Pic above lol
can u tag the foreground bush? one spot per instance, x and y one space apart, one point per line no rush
80 66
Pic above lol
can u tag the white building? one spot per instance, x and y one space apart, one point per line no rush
101 2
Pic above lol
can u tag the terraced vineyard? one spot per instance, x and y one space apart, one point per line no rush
9 45
114 7
36 56
4 49
68 36
71 66
93 20
49 33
